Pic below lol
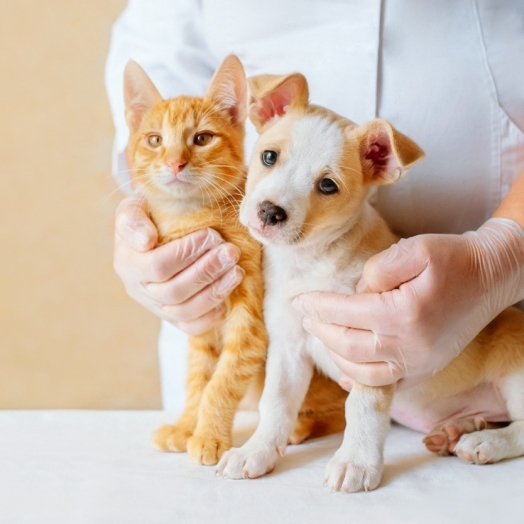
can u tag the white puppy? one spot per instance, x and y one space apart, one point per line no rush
307 202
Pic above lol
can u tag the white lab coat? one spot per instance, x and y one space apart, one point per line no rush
448 74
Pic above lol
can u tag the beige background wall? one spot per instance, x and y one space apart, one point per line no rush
69 335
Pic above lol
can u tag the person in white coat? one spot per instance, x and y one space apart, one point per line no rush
447 74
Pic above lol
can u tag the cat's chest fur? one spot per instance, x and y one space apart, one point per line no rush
175 223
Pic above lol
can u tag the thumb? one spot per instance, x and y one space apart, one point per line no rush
393 267
133 224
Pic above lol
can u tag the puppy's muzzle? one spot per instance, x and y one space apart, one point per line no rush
270 214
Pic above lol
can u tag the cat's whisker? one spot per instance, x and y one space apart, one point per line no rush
233 203
237 190
122 186
220 192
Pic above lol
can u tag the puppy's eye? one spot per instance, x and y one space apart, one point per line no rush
154 140
269 158
202 139
327 186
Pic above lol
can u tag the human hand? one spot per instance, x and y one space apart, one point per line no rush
184 281
419 303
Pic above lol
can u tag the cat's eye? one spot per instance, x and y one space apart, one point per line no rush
269 157
327 186
202 139
154 140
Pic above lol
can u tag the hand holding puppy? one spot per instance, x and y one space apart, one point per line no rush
419 303
184 281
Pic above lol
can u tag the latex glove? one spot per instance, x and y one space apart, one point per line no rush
185 281
420 303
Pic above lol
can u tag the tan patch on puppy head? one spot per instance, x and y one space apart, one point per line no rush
336 209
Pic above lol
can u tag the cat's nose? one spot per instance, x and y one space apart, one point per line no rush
271 214
176 166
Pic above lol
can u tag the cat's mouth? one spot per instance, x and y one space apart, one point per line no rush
176 180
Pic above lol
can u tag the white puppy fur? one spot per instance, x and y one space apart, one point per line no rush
307 202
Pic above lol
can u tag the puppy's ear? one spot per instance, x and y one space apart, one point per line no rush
272 96
228 88
385 153
140 94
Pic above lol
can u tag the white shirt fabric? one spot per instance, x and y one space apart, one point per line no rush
448 74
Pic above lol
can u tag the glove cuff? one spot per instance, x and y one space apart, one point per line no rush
504 241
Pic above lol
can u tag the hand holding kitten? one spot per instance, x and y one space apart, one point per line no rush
184 281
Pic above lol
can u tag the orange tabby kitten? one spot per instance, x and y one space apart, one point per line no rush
187 160
186 156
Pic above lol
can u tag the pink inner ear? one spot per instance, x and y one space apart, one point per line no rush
378 152
275 104
234 113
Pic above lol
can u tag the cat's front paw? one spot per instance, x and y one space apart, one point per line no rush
206 450
171 438
351 476
248 462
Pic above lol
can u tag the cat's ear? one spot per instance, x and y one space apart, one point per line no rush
385 153
140 94
228 88
272 96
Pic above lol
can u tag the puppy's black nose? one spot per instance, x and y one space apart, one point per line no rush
270 214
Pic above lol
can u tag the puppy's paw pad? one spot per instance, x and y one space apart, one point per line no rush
351 477
247 462
171 438
437 441
443 439
206 450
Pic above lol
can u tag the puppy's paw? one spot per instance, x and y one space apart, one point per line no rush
206 450
171 438
482 447
351 476
249 461
443 439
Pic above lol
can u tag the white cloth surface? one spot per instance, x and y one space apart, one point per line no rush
94 467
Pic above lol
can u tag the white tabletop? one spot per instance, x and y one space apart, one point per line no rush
99 467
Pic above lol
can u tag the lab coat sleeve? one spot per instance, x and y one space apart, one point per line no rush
165 37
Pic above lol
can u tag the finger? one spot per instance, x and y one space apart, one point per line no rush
194 278
133 224
164 262
393 267
369 374
204 323
356 345
345 382
357 311
209 298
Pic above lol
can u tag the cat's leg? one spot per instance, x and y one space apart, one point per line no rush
493 445
242 356
202 360
322 412
288 374
358 463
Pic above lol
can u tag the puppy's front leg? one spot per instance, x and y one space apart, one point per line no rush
288 374
358 463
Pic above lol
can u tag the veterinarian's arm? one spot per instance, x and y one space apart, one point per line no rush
423 300
185 281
